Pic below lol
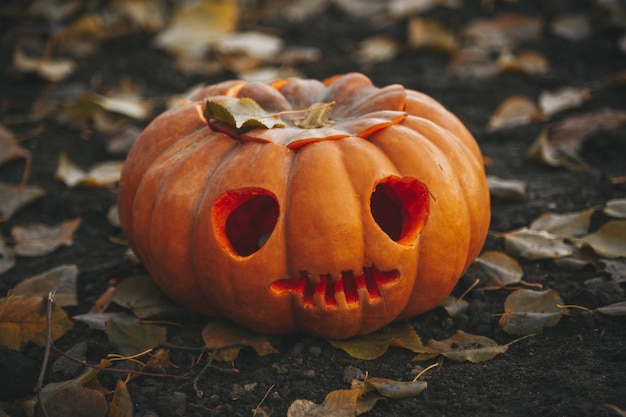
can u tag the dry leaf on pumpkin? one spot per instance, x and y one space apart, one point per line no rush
129 336
527 312
60 280
498 269
23 319
564 225
463 346
38 239
374 345
512 112
506 189
220 333
101 175
616 208
609 241
241 113
14 197
535 244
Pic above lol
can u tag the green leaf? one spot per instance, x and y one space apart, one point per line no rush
241 113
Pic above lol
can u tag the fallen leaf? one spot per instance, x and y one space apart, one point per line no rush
229 339
527 312
570 26
121 404
9 148
472 62
86 378
535 244
76 401
14 198
512 112
146 300
101 175
526 62
158 362
564 225
103 302
577 260
390 388
565 98
98 321
428 33
616 309
616 268
454 306
241 113
377 48
54 70
402 8
23 319
129 336
38 239
61 280
616 208
149 15
374 345
7 257
506 189
559 145
126 104
609 241
503 31
498 269
255 44
463 346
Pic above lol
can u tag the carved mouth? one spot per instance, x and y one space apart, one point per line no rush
327 292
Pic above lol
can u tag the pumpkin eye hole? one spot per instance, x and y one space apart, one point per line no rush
400 207
245 219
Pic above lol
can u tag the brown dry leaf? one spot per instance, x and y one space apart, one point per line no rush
85 379
103 302
23 319
616 208
121 404
10 149
577 260
38 239
377 48
7 257
506 189
60 280
401 8
535 244
374 345
527 62
197 25
609 241
472 62
463 346
514 111
158 362
427 33
560 145
498 269
146 300
564 225
76 401
128 104
570 26
527 311
54 70
219 333
149 15
339 403
129 336
552 102
616 309
454 306
100 175
259 45
503 31
15 197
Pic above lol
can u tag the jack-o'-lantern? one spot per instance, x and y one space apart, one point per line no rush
332 225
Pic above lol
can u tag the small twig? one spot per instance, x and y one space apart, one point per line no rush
209 364
46 356
470 288
256 409
434 365
122 371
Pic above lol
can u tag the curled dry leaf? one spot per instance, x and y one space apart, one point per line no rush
463 346
220 333
552 102
616 208
535 244
527 312
241 113
564 225
61 280
514 111
23 319
38 239
506 189
101 175
374 345
609 241
15 197
498 269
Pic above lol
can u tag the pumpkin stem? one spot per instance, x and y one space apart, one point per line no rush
316 116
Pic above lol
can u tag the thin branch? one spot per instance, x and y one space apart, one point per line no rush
46 356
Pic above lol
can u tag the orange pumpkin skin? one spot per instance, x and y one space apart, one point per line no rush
333 230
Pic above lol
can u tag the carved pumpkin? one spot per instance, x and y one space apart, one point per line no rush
334 228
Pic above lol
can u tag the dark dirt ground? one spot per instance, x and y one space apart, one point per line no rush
573 369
